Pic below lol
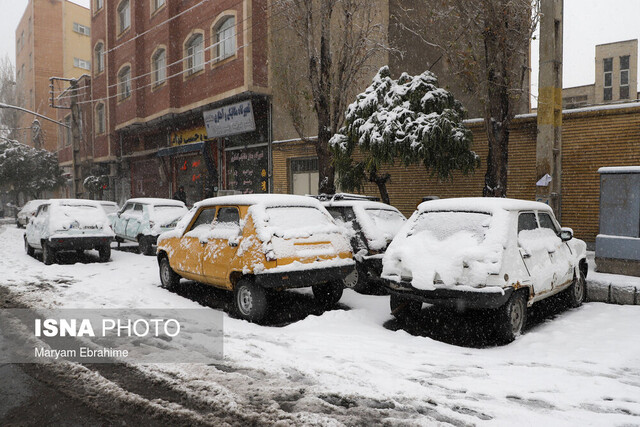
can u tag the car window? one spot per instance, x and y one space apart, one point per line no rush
343 214
204 219
137 207
527 221
442 225
42 209
228 215
128 207
547 222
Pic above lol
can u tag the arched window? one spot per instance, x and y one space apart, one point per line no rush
159 66
98 53
124 16
225 38
194 54
124 82
100 119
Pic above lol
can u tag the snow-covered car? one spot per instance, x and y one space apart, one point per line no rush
372 226
142 220
109 207
250 244
67 225
484 253
27 212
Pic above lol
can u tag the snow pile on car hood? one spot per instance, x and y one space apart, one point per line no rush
439 249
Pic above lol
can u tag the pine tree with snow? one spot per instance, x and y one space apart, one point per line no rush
409 120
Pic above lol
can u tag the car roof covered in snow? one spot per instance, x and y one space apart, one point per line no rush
481 204
74 202
107 203
155 201
267 200
365 204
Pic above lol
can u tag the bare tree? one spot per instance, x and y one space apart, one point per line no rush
328 43
486 46
8 116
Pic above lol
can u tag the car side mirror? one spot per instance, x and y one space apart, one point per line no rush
566 234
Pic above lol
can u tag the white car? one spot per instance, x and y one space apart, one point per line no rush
109 207
142 220
27 212
68 224
484 253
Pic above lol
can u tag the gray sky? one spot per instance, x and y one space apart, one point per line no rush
587 23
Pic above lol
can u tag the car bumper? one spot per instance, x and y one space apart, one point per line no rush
460 299
79 243
303 278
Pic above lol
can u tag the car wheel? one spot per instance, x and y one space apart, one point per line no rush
104 253
250 300
577 292
48 254
145 246
357 280
28 248
404 309
511 317
328 294
168 277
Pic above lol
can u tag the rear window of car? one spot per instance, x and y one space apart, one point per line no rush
388 221
444 224
295 218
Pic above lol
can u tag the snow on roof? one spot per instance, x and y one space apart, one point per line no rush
74 202
481 204
156 201
261 199
620 169
365 204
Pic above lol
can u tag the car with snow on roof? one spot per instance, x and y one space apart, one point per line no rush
372 225
255 244
502 255
143 219
68 225
28 211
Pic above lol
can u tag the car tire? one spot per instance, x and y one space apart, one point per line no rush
250 300
577 292
104 253
28 248
404 309
512 317
145 245
357 280
168 277
48 254
328 294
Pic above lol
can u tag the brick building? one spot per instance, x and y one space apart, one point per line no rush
52 39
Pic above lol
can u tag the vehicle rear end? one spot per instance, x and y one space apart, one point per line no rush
78 225
164 217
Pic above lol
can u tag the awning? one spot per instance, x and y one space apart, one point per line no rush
180 149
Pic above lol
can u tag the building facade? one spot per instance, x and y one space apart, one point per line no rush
52 40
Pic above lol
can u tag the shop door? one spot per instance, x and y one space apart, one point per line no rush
192 174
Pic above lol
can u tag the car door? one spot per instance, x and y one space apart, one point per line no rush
188 258
533 246
134 221
120 221
561 255
35 229
221 246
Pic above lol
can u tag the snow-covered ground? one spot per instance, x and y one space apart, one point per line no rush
355 364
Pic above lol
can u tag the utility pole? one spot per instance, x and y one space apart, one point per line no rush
549 139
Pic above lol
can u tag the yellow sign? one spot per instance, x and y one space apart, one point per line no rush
188 136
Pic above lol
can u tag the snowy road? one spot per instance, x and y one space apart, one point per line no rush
354 365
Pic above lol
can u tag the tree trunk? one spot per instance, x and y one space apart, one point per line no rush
326 170
381 182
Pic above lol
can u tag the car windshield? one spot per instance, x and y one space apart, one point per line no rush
165 214
296 218
109 209
387 221
444 224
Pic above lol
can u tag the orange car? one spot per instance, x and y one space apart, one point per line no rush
249 244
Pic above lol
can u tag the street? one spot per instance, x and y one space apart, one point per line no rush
354 365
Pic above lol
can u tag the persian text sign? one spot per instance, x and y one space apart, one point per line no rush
229 120
188 136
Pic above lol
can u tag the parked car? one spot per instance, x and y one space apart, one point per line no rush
68 224
142 220
484 253
27 212
109 207
250 244
372 225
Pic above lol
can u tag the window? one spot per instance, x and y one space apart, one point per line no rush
608 76
157 4
98 53
81 63
98 4
547 222
124 16
194 54
68 137
527 221
81 29
304 176
624 77
124 82
100 119
159 66
228 216
225 38
205 218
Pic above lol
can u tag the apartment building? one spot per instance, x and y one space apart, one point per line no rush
53 38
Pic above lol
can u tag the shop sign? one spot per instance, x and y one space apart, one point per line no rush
229 120
188 136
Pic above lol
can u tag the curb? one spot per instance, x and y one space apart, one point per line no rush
612 294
